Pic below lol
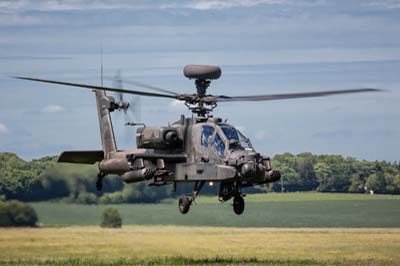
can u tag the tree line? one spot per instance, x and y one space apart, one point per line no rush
45 179
335 173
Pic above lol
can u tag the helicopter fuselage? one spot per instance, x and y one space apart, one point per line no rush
190 150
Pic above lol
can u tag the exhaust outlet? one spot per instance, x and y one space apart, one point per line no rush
272 176
137 175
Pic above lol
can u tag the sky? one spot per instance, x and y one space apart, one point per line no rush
262 46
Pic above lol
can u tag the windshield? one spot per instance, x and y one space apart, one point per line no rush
245 142
236 139
230 133
219 145
206 134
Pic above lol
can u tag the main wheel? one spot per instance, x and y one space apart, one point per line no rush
238 205
184 204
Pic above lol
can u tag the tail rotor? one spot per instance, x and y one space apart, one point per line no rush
131 107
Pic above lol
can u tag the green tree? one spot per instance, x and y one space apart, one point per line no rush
289 179
304 165
286 164
341 170
392 183
324 176
376 182
357 184
111 218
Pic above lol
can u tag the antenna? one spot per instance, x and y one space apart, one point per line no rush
101 63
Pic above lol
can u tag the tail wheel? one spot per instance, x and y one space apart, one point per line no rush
99 185
184 204
99 182
238 205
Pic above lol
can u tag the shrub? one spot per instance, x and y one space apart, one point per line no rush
111 218
16 213
82 197
86 198
112 198
5 219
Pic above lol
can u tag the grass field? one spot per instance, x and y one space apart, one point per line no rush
276 230
262 210
173 245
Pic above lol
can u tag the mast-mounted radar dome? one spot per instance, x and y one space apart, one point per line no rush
202 72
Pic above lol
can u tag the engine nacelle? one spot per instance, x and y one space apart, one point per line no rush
158 138
114 166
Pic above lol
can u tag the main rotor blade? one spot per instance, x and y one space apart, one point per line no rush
270 97
94 87
147 86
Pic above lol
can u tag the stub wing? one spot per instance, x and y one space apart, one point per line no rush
82 157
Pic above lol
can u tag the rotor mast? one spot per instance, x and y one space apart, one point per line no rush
203 74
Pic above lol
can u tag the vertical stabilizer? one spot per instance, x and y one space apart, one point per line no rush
106 128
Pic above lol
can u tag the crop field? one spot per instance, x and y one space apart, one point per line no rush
276 229
288 210
180 245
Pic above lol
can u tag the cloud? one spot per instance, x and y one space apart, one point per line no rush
18 6
30 57
260 135
224 4
53 109
20 20
382 133
333 134
69 5
176 105
3 129
388 4
241 128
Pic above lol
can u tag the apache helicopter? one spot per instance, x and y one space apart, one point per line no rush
198 149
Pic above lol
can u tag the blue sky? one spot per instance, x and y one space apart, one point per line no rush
263 46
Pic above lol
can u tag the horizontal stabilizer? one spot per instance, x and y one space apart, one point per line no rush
84 157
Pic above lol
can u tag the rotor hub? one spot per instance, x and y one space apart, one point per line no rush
201 86
202 74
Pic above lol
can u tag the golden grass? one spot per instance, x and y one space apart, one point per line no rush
147 242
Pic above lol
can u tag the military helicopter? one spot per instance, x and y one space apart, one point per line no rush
197 149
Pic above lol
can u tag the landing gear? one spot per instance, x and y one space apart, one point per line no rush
99 182
186 201
184 204
238 204
232 190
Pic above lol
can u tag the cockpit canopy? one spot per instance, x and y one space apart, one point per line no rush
222 136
